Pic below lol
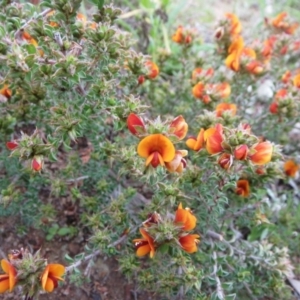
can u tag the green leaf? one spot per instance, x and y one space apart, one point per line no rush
63 231
49 237
99 3
69 259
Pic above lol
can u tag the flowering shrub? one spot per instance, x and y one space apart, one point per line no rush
168 162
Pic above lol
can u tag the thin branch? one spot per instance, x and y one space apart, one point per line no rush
181 291
220 291
219 237
77 179
214 235
98 252
249 292
42 14
79 262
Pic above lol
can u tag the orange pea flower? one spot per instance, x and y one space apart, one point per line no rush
225 161
268 47
11 145
286 77
243 188
134 122
290 168
5 91
281 93
255 67
52 23
199 73
81 17
144 245
157 149
278 19
189 242
181 36
51 275
273 108
249 52
196 143
199 90
235 50
152 68
185 218
236 26
296 81
262 153
178 35
241 152
225 107
222 90
178 163
26 36
214 139
179 127
280 23
7 280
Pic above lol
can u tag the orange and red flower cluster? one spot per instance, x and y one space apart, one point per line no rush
241 58
225 143
157 148
183 36
285 102
282 24
254 60
152 72
184 222
37 161
48 279
206 91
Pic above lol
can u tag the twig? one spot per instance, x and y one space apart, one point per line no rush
42 14
242 210
98 252
219 237
214 235
77 179
249 292
79 262
220 292
180 292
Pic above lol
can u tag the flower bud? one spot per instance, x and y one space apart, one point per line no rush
273 108
179 127
243 188
241 152
225 161
291 168
37 163
12 145
221 107
134 121
152 68
141 79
